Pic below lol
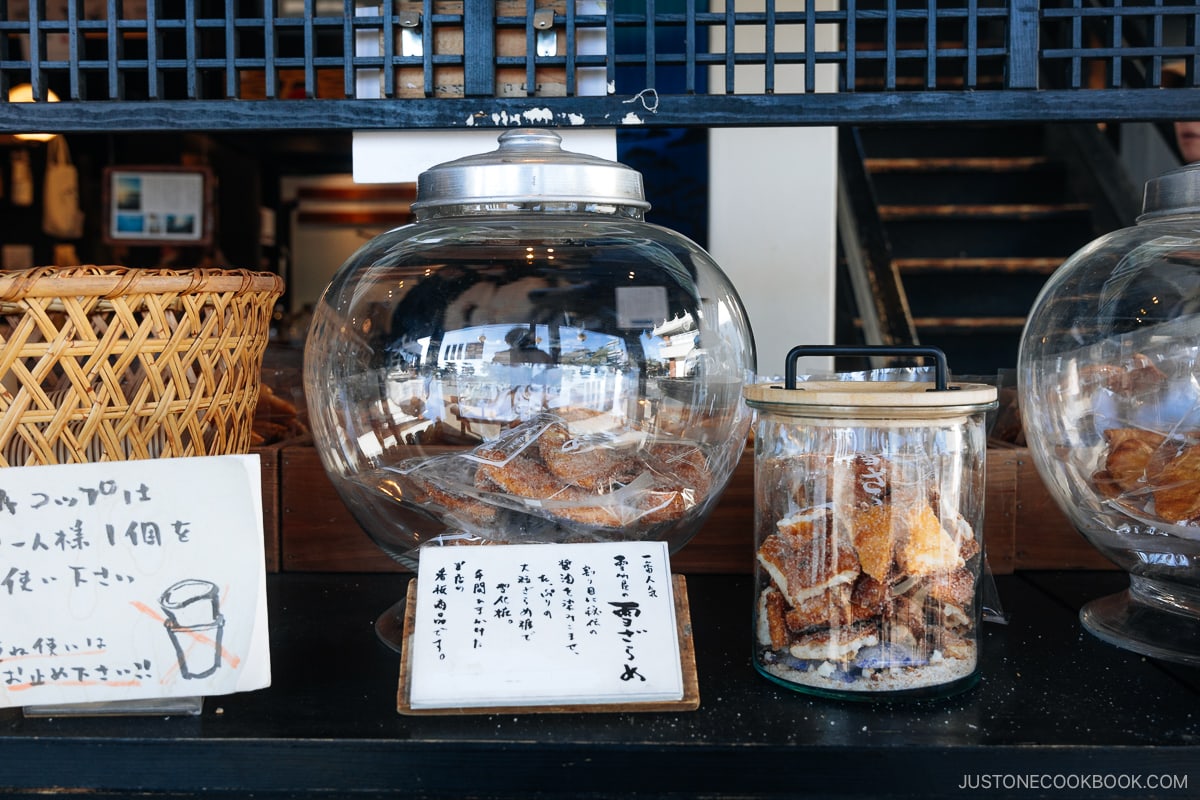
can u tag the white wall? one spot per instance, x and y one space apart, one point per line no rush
400 156
773 207
317 250
772 229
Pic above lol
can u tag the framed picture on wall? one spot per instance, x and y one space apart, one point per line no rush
152 205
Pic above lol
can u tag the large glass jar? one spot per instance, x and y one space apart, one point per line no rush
869 501
530 361
1109 384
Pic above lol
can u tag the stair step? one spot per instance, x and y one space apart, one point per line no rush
1034 265
979 354
946 323
986 230
971 294
975 218
958 164
967 237
967 140
999 211
974 179
967 325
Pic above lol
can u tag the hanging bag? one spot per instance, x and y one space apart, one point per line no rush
61 217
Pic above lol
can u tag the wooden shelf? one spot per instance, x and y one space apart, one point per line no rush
1052 700
1023 528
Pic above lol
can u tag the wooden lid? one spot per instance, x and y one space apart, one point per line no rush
871 398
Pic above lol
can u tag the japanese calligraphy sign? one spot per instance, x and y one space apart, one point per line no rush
132 580
544 624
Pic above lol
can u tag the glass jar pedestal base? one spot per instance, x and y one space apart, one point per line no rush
1153 617
389 626
936 691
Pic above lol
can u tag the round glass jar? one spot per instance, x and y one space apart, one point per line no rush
1107 380
868 532
530 361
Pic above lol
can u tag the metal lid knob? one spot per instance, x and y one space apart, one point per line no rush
1173 192
530 166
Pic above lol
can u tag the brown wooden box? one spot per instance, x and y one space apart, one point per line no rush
268 460
1023 528
319 532
1024 525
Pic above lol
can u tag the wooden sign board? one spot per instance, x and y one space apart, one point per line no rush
547 629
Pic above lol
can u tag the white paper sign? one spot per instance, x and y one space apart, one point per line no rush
132 580
544 624
641 306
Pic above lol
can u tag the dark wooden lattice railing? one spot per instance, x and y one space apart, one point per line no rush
325 64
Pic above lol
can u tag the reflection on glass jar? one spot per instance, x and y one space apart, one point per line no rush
529 367
1111 407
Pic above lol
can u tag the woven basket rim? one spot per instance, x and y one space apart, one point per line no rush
115 281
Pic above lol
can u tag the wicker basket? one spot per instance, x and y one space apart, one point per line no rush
113 364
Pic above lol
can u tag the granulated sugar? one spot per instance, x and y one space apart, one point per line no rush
827 675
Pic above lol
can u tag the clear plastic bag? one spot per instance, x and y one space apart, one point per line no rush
565 477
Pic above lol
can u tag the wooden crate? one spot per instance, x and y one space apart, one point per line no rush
1023 528
269 464
319 533
1033 532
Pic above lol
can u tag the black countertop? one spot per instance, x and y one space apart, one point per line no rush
1057 713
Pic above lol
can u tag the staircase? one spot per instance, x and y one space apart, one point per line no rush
975 219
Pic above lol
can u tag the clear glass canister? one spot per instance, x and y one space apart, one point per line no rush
530 361
868 532
1110 400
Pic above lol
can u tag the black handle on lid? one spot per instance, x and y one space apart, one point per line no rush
801 350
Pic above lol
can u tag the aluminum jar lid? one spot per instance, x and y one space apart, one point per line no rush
530 166
1173 192
871 399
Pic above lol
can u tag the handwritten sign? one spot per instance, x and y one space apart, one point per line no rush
132 580
544 624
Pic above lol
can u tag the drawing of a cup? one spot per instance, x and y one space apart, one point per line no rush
195 625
